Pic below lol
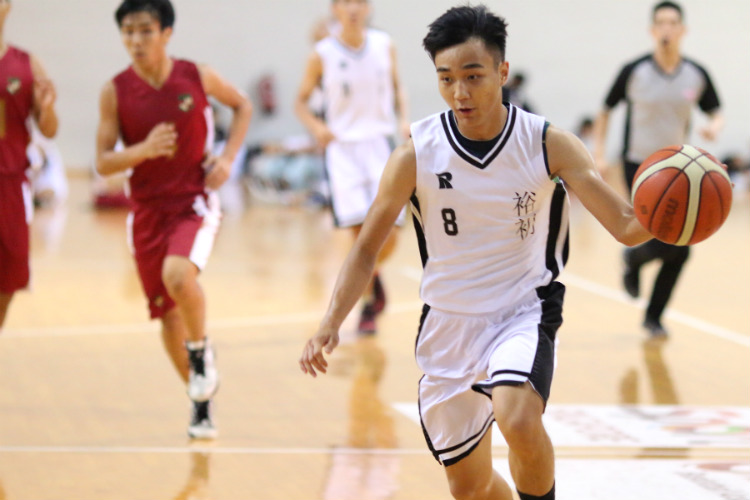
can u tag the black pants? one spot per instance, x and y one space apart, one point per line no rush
672 260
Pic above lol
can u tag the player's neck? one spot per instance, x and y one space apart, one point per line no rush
155 74
353 37
668 59
487 129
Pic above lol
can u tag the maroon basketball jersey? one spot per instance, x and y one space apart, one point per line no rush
181 101
16 98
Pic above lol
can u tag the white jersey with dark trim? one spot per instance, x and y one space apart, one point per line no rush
493 229
357 87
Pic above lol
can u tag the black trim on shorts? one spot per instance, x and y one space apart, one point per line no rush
421 423
486 427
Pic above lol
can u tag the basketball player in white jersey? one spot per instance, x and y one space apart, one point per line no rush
487 183
355 66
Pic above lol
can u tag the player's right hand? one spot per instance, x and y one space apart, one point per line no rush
312 358
161 141
323 135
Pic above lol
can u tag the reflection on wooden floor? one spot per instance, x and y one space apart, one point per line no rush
90 408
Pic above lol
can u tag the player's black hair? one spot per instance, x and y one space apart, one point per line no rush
667 5
162 11
459 24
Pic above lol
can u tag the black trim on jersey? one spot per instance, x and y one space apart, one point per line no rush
555 226
453 135
709 100
421 240
544 147
425 311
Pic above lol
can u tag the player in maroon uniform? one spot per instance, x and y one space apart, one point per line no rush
158 106
25 91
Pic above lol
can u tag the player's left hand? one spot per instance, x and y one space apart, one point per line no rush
312 359
217 170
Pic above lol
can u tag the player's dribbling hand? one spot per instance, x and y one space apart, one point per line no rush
161 141
217 170
312 358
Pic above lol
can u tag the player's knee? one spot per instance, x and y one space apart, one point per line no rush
472 488
519 427
175 281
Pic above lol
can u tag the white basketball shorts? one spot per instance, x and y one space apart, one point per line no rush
463 356
354 170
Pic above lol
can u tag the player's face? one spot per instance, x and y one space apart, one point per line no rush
667 28
351 13
143 37
470 81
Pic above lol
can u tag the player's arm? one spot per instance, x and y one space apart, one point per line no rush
396 187
218 168
569 160
710 131
310 80
601 126
402 102
43 108
161 141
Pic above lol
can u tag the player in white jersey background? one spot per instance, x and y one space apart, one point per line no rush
355 66
491 217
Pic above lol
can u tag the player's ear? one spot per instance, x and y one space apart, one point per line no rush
504 69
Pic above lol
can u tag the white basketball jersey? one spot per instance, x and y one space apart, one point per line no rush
491 230
358 87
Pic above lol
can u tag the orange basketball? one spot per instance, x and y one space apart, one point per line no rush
681 194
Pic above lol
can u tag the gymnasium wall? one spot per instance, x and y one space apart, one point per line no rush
570 51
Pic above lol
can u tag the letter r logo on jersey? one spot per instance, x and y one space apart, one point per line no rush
445 180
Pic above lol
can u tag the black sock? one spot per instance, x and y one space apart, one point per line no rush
549 496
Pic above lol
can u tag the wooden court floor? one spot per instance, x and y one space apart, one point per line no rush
90 408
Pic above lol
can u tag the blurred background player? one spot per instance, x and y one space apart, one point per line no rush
660 90
26 93
355 66
159 108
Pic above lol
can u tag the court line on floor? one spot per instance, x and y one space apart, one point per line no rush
498 451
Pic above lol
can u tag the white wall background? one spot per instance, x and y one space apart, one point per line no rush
570 51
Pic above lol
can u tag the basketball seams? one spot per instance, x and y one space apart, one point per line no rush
699 201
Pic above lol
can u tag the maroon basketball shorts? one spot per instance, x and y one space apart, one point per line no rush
185 228
15 216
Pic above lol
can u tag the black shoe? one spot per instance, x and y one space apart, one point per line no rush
654 328
201 424
631 276
367 320
379 294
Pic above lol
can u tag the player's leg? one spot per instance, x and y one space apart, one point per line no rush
518 412
473 477
174 336
180 277
5 299
673 259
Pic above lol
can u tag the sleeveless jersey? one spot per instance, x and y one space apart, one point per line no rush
182 101
493 229
659 105
357 87
16 101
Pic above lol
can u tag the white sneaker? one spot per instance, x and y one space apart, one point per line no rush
203 381
201 425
